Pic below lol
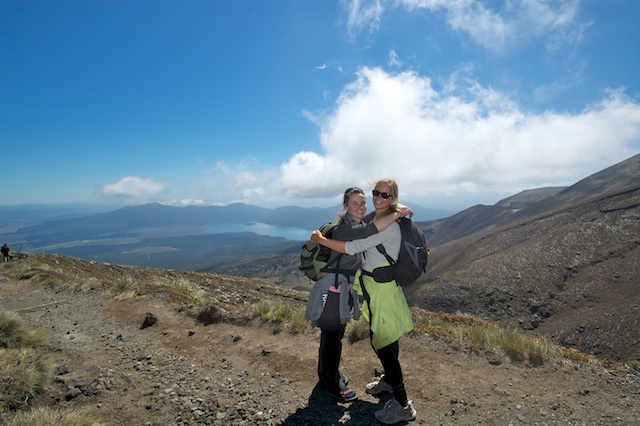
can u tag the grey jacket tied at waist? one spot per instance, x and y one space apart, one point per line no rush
320 291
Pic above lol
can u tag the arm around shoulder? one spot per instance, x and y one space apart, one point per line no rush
318 238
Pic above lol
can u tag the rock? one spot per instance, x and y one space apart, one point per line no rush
149 320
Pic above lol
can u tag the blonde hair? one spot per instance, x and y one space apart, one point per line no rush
393 190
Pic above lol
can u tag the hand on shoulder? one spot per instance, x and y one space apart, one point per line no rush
316 236
404 211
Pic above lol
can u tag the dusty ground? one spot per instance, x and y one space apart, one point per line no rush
179 372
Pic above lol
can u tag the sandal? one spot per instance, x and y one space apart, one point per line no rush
345 395
344 380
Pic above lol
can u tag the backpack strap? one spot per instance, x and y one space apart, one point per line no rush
382 250
337 270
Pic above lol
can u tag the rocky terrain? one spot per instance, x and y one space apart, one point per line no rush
182 371
561 265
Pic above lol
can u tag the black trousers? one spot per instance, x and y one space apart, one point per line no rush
330 350
392 371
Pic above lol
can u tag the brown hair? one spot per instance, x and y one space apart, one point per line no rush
349 192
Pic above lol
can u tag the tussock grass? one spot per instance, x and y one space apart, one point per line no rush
84 284
23 373
575 355
633 366
189 288
47 275
261 310
472 333
357 331
23 368
15 332
53 416
283 314
51 275
124 288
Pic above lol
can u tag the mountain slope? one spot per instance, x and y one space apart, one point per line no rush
570 274
531 203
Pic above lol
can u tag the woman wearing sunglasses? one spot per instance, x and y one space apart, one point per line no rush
385 306
331 303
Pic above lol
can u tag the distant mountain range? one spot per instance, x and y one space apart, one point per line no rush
162 236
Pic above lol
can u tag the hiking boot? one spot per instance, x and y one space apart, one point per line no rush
393 413
379 386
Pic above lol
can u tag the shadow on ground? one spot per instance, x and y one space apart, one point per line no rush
323 409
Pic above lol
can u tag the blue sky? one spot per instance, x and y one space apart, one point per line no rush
291 101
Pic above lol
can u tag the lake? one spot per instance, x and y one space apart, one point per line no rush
290 233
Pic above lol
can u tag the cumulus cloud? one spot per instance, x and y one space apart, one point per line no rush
464 138
133 189
496 27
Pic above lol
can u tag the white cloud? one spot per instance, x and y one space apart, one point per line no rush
496 27
460 141
245 181
133 189
393 60
189 202
361 13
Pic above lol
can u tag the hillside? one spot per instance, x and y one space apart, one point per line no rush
562 263
206 368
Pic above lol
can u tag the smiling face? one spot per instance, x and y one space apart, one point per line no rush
356 205
380 203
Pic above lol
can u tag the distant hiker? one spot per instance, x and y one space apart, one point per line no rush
332 302
385 306
5 251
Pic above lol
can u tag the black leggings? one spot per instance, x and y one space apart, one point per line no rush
330 350
392 371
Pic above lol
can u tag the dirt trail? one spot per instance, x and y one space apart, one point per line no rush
178 372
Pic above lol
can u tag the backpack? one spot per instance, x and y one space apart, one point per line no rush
413 256
314 258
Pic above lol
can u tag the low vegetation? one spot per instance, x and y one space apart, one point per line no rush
24 369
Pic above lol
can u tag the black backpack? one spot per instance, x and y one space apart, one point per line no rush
413 256
314 258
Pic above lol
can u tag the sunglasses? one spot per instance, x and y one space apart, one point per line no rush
384 195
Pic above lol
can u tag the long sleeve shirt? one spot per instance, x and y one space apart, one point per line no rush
349 230
390 238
